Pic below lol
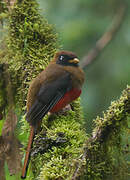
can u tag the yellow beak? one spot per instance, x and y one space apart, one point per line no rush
75 61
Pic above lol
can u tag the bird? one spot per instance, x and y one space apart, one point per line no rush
54 88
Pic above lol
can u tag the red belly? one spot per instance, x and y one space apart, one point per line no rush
66 99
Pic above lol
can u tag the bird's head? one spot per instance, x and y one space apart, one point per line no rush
66 58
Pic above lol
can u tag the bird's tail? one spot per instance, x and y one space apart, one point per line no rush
28 153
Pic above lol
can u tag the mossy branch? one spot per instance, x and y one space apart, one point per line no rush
62 150
30 43
104 151
101 156
114 118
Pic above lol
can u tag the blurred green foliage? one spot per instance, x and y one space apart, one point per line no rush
80 24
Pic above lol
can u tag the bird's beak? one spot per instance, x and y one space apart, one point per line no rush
75 61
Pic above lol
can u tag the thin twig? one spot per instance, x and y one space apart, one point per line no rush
106 38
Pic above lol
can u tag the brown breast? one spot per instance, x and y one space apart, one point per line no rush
77 75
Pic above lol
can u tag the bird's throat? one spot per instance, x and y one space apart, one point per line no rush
66 99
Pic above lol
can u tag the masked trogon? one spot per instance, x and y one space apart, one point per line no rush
54 88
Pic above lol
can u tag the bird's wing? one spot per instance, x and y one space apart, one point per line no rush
49 94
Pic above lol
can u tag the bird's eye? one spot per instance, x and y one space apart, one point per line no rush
61 58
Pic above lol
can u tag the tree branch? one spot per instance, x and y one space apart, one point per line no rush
105 136
113 118
106 38
10 146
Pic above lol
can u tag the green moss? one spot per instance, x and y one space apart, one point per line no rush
3 11
58 162
31 44
106 157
